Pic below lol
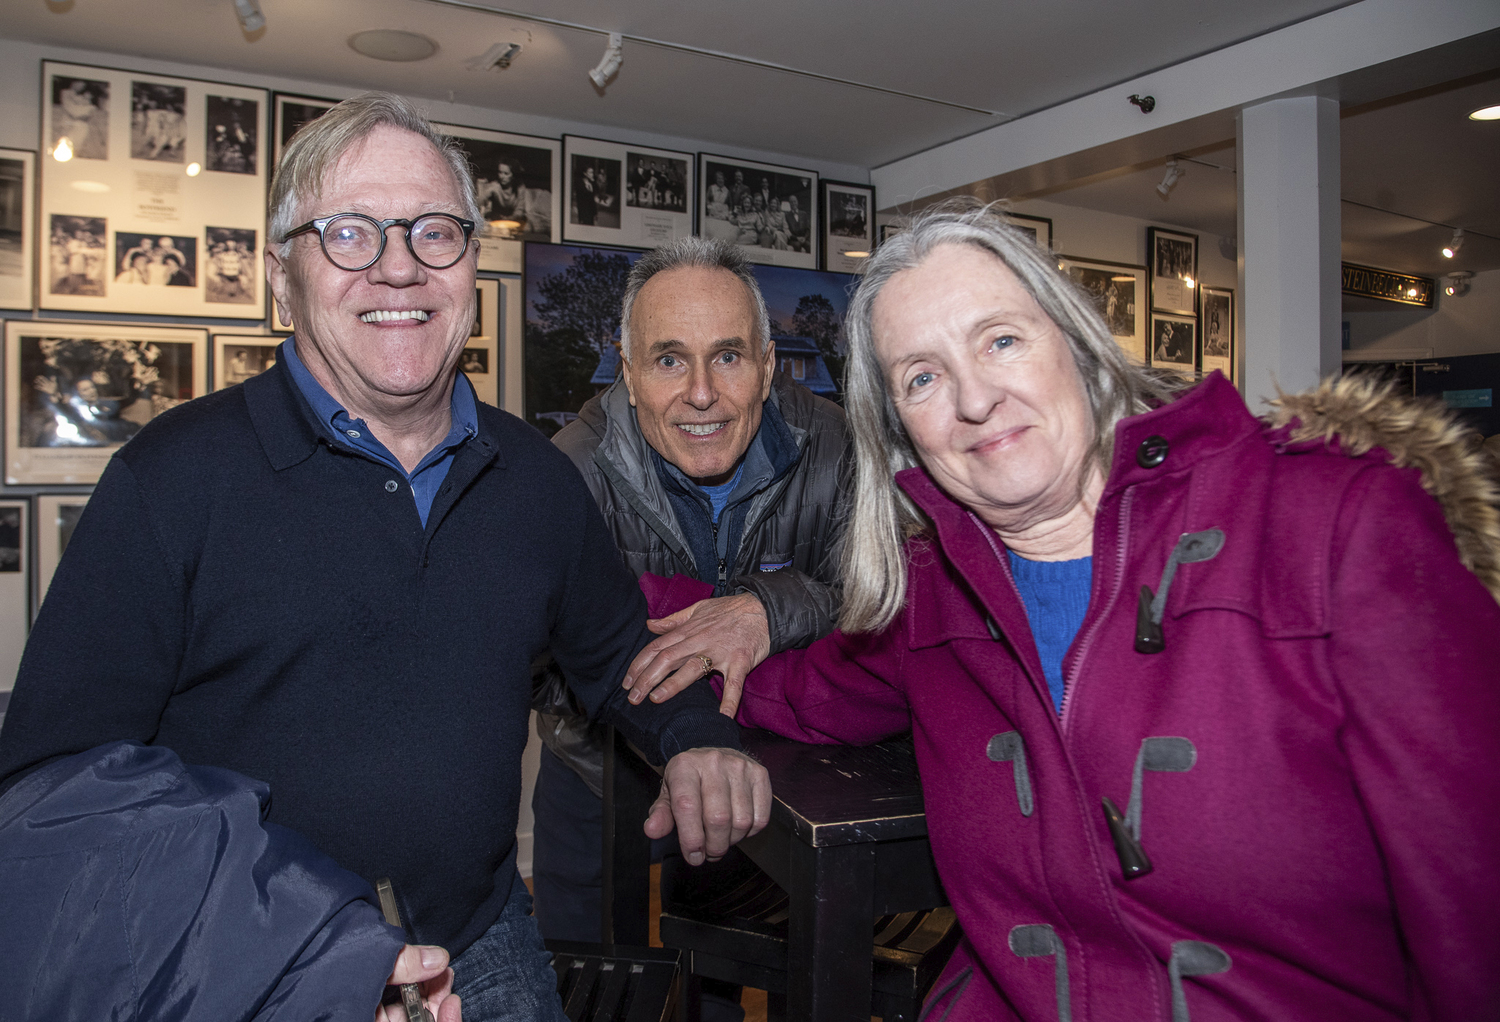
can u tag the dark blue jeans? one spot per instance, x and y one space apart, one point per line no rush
506 975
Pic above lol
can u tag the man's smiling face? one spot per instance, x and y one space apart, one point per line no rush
397 328
697 373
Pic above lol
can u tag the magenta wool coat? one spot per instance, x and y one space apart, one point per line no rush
1309 763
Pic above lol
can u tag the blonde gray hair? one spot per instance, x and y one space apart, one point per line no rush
319 145
704 253
874 565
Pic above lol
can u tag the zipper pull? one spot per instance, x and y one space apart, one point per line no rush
723 579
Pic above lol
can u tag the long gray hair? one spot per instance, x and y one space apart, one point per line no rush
874 560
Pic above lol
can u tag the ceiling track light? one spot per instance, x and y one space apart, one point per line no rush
1458 284
1169 179
1451 249
248 11
609 64
496 58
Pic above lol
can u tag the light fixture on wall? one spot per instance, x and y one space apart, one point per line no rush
608 64
496 58
1458 284
1169 179
1486 113
248 11
1451 249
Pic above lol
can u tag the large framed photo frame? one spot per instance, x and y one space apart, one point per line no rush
1037 228
480 360
1217 315
1172 258
159 207
15 587
237 357
770 212
17 217
75 392
291 112
518 181
56 517
1174 342
1118 290
848 225
630 195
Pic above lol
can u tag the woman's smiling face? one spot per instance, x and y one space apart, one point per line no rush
986 387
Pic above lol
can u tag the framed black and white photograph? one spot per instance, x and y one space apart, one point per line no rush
127 226
237 357
572 328
518 182
848 225
1037 228
291 113
619 194
1174 342
232 135
480 360
17 215
229 264
154 260
1118 291
1172 258
77 262
770 212
57 516
74 392
15 588
1218 331
79 116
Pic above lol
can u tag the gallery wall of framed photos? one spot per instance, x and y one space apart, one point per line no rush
132 277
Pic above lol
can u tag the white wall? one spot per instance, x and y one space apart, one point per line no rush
1469 325
1089 234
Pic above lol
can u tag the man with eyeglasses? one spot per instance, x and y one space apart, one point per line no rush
334 577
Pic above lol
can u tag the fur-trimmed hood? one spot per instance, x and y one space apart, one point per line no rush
1358 413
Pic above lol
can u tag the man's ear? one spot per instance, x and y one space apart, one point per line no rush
276 280
629 382
770 370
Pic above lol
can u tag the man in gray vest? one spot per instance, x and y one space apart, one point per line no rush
707 462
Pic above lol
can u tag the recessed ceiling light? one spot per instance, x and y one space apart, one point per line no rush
1486 113
391 44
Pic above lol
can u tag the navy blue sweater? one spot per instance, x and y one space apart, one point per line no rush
246 592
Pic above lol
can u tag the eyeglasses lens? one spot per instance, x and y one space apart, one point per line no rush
438 241
353 242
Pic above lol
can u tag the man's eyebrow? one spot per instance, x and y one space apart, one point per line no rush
723 344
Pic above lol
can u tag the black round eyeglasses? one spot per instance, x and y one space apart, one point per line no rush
353 241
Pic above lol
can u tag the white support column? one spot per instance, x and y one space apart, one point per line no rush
1289 265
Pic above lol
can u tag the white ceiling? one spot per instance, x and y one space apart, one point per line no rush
1414 155
1010 58
1414 158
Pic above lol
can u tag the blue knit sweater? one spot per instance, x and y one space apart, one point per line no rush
1056 595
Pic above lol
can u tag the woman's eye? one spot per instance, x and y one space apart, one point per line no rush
922 379
1004 341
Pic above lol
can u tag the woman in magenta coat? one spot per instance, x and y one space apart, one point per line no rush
1205 706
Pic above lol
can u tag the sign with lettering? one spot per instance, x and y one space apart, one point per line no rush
1368 282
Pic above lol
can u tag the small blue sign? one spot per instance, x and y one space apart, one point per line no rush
1469 398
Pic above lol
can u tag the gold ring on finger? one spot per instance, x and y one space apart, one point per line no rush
708 663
